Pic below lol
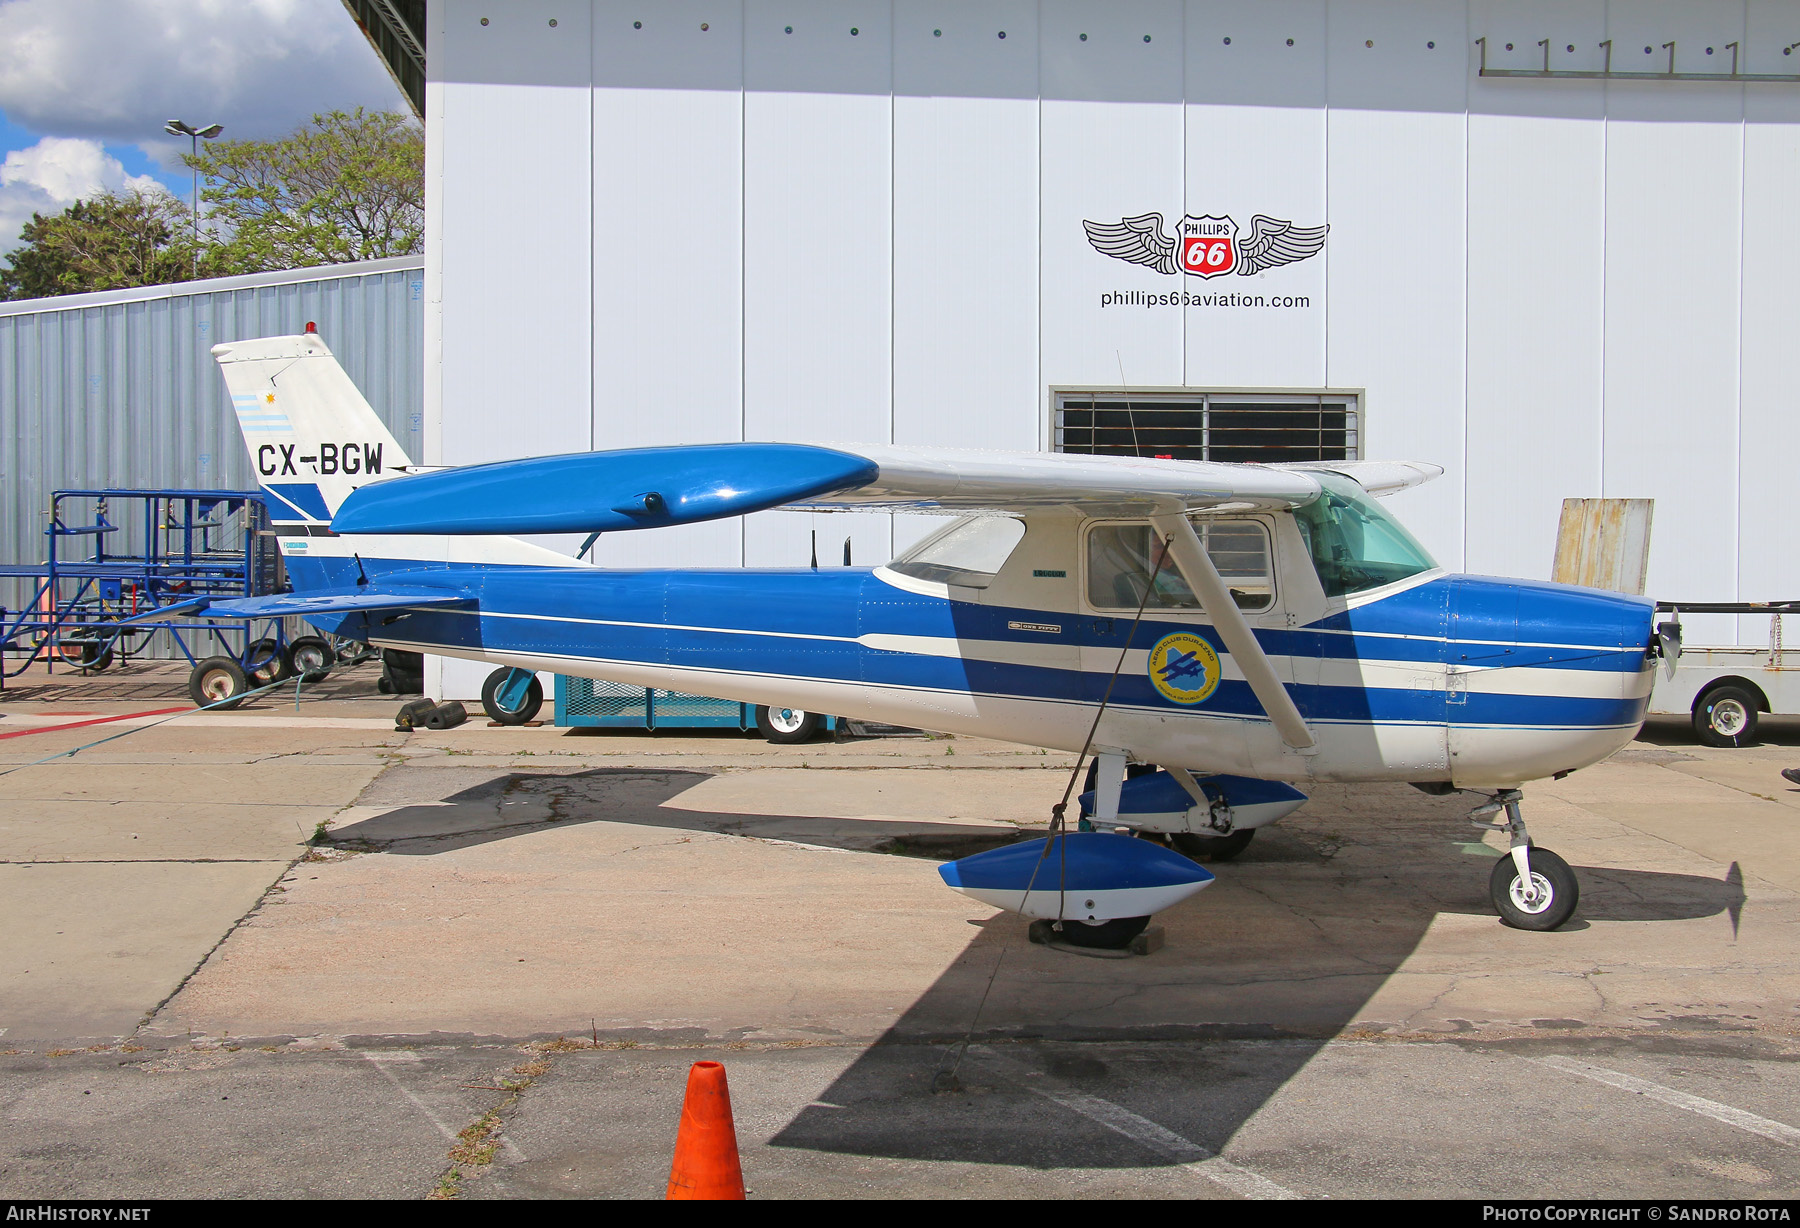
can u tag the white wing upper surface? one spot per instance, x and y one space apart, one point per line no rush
1376 477
964 480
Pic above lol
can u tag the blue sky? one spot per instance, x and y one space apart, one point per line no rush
86 85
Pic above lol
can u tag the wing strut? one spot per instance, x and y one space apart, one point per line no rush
1240 641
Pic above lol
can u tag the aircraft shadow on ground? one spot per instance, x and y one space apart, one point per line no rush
1288 948
510 804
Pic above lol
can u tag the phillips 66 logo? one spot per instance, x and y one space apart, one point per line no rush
1208 245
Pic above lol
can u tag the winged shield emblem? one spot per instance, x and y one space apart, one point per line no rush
1206 246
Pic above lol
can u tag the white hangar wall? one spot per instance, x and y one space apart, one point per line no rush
678 222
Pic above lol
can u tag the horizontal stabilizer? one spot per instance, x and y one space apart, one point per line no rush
339 601
193 607
588 492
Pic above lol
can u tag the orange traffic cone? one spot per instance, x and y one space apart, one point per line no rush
706 1152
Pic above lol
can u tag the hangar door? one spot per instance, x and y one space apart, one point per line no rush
1200 425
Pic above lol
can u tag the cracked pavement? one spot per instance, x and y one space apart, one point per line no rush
539 929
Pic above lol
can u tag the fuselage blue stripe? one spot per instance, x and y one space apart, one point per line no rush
806 624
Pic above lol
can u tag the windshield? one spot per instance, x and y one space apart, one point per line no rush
1354 544
968 553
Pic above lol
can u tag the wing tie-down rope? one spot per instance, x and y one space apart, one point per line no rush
232 699
1059 812
947 1082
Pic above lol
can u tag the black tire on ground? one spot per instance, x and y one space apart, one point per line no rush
1726 716
1212 848
312 657
1551 874
403 671
527 710
217 683
787 725
266 661
1110 934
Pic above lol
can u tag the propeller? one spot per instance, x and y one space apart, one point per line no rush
1668 643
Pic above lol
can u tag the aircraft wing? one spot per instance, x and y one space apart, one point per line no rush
1376 477
914 479
639 488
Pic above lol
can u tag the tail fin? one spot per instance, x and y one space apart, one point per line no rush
312 440
312 437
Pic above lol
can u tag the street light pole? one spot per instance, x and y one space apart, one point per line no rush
176 127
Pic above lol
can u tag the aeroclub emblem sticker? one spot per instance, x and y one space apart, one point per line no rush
1207 246
1183 668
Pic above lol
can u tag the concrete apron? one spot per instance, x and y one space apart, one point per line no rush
534 882
678 903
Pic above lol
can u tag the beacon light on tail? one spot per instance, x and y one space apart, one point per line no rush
1248 628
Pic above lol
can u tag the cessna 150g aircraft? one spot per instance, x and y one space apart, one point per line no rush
1248 628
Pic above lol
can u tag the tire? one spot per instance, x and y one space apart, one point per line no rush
1726 716
311 657
403 671
1212 848
786 726
218 683
1110 934
1550 872
528 708
266 662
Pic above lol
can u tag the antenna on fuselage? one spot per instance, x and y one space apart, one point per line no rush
815 550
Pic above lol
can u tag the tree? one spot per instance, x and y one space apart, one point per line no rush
117 239
349 186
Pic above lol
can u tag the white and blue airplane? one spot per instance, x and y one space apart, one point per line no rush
1248 628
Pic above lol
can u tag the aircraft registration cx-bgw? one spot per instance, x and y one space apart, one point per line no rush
1247 628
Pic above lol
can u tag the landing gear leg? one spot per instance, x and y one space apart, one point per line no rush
1532 888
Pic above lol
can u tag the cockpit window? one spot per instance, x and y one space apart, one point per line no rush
969 552
1354 544
1120 564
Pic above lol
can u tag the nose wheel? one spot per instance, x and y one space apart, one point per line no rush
1531 888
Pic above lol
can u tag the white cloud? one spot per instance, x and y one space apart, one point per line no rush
117 69
52 175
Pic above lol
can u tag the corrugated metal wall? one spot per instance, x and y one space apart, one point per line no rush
120 389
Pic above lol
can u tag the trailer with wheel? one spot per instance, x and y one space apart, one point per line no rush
115 558
1725 691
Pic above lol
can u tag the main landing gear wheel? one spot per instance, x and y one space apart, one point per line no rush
787 725
1212 848
218 683
514 704
1726 716
1107 934
1548 902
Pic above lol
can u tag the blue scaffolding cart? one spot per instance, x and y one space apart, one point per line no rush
114 554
